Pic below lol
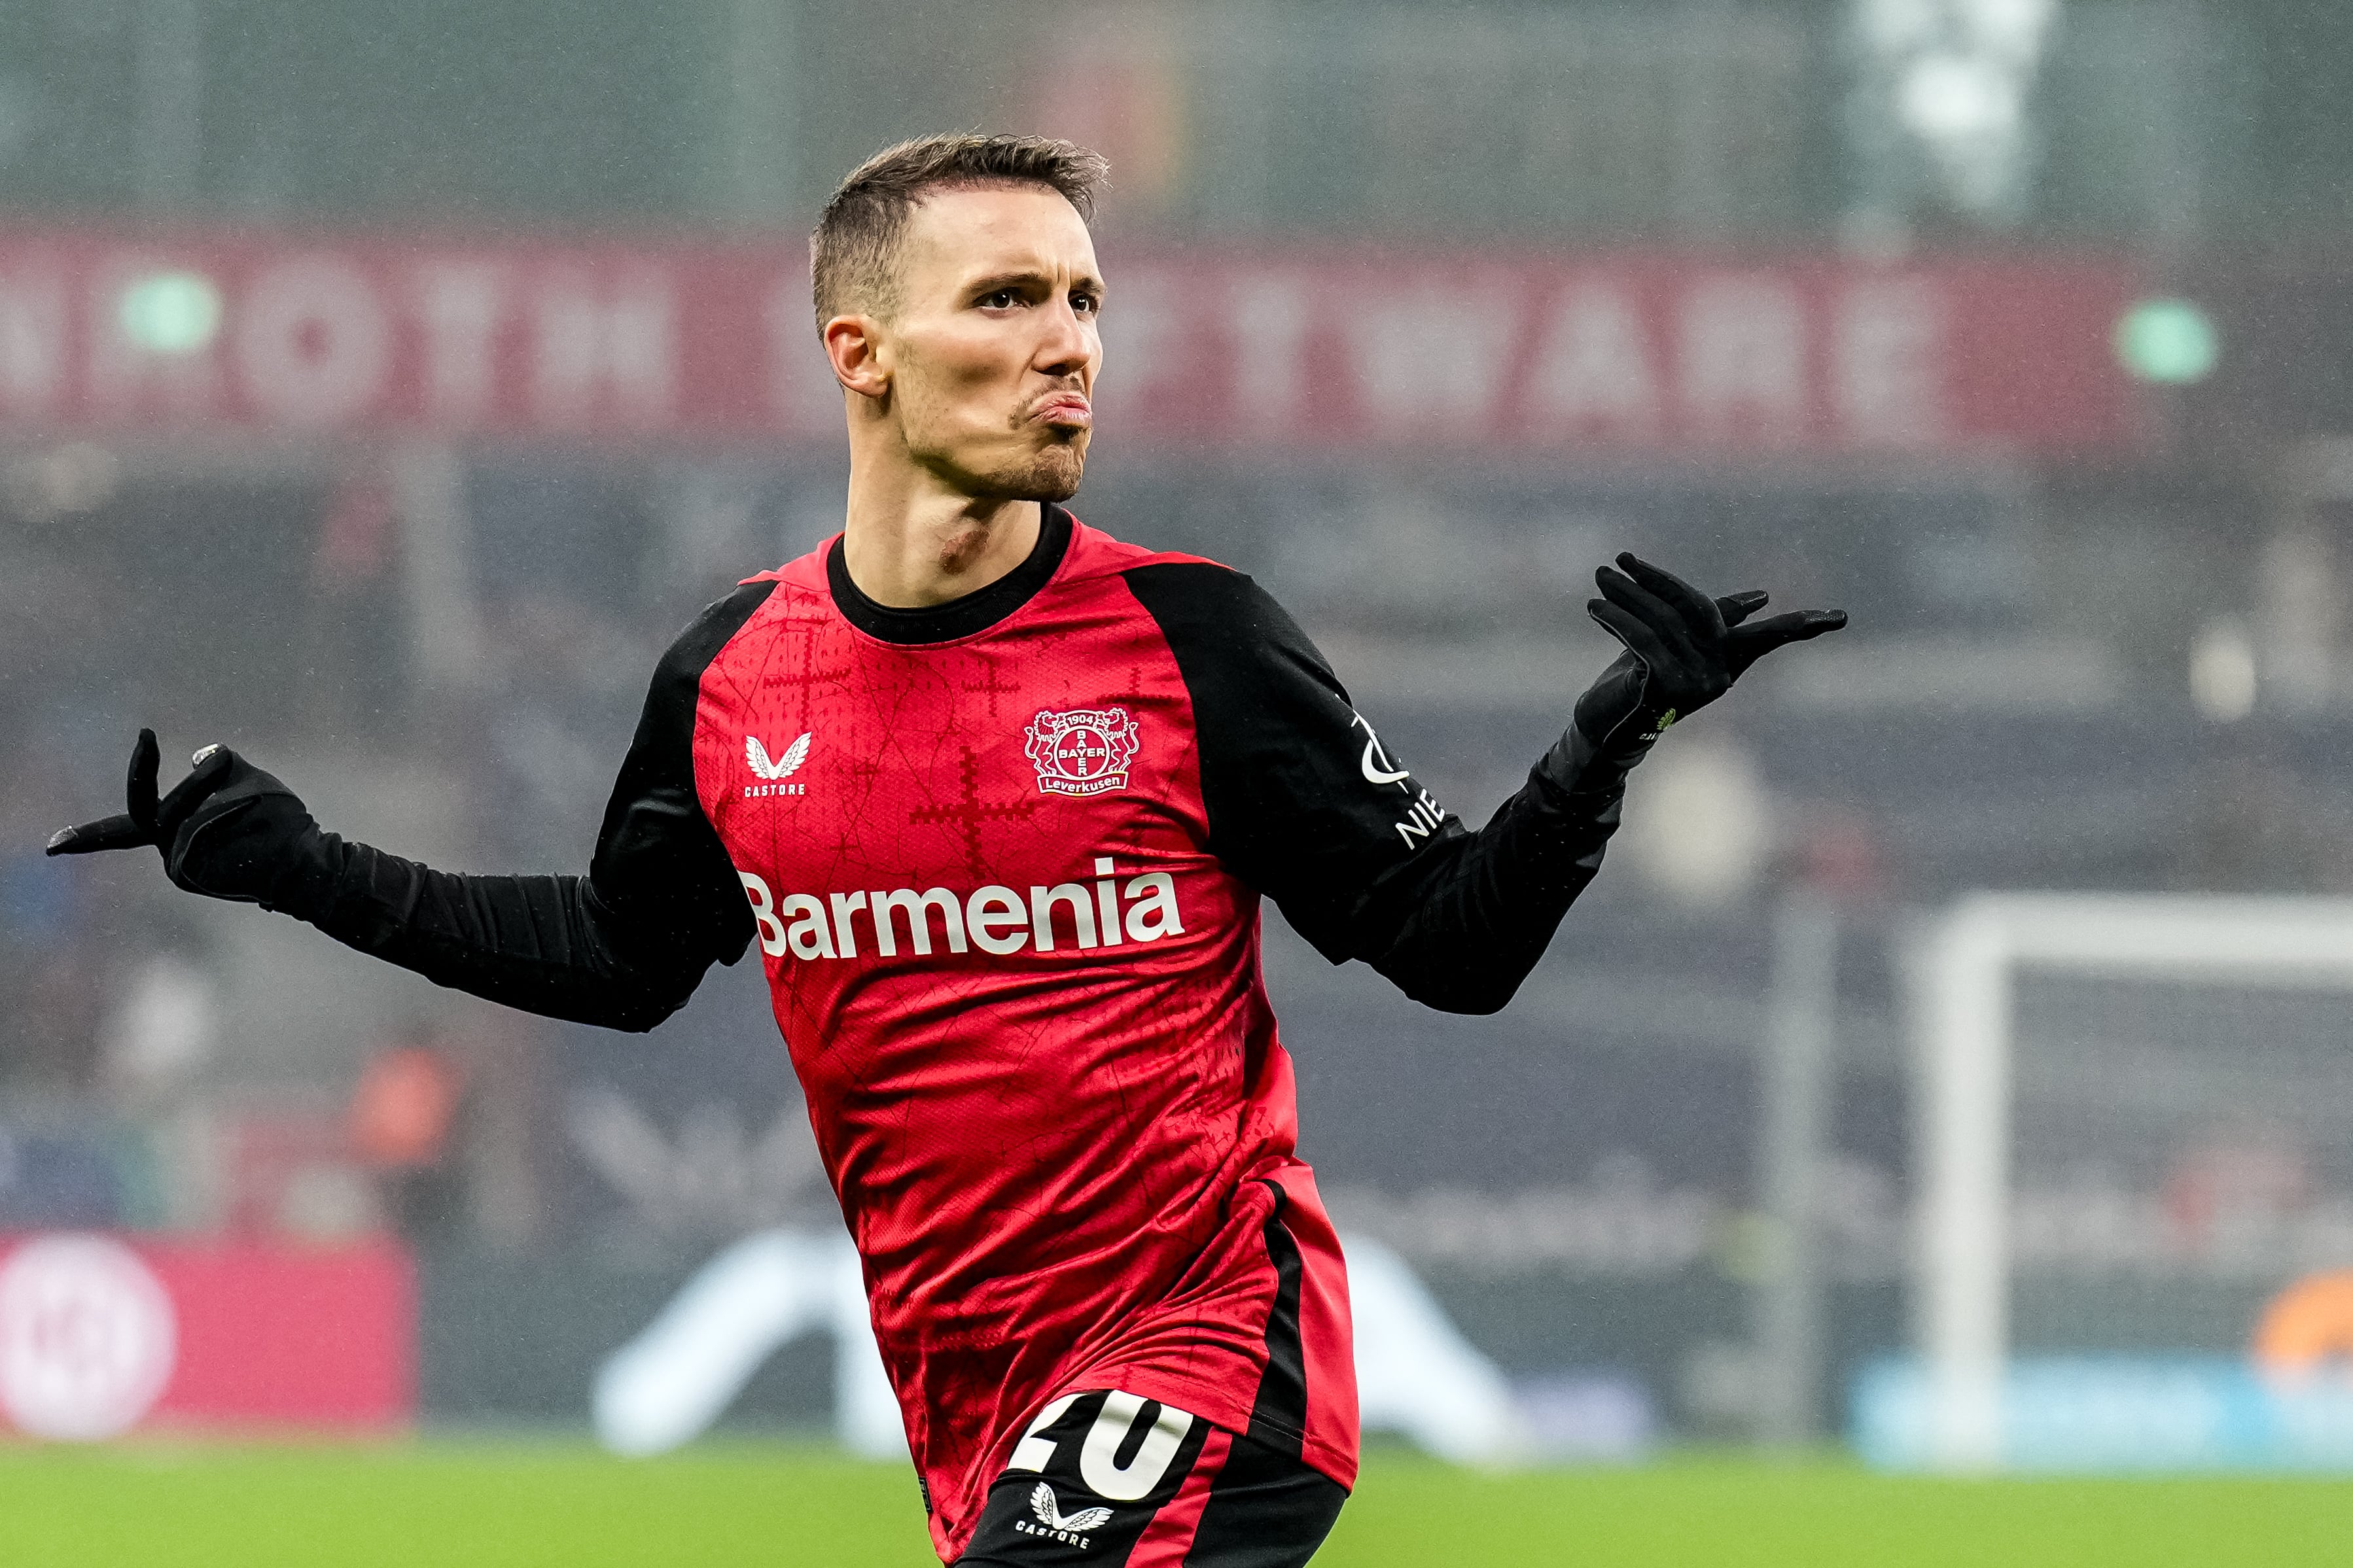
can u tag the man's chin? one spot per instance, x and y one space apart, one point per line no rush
1060 488
1051 474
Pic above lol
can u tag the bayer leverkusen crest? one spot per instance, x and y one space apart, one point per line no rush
1083 752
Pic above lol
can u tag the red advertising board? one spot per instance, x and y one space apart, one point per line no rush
1543 352
102 1335
1639 352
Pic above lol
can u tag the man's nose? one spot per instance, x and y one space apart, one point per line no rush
1066 345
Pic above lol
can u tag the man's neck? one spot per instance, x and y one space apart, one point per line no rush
909 549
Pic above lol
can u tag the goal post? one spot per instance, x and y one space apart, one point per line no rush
1967 965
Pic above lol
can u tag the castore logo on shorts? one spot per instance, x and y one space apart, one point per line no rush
1054 1524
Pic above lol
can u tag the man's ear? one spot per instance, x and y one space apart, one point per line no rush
854 345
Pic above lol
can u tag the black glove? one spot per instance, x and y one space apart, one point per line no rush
1684 651
228 830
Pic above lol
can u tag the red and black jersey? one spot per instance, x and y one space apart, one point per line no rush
1022 991
1002 859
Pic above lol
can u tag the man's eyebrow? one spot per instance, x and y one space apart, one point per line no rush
1014 276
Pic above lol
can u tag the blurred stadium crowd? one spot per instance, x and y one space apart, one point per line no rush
2012 327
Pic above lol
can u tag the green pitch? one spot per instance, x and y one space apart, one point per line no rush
525 1506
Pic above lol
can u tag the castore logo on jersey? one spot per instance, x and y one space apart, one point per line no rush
755 756
1086 751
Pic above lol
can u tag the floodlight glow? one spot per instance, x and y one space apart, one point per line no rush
171 312
2170 342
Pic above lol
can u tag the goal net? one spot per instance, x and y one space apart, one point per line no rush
2135 1208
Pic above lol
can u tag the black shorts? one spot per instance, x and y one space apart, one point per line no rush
1109 1479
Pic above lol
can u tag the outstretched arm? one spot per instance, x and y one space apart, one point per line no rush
1308 806
1462 925
622 947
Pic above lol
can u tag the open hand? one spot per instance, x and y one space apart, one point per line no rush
1683 650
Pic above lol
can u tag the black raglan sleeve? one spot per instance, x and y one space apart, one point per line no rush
1308 806
622 947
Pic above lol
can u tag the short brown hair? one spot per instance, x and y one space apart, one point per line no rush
855 241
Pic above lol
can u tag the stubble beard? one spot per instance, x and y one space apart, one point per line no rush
1049 475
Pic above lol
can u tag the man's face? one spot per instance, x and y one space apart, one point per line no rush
993 349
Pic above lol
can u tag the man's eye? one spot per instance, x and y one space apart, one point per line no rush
1001 299
1085 304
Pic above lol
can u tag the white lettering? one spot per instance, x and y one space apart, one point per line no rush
1431 360
996 918
1041 914
1107 899
846 940
919 930
1141 337
1886 367
1593 366
803 394
312 344
996 908
1098 1457
1158 889
1422 820
1270 361
32 341
810 936
461 303
618 350
1744 358
763 914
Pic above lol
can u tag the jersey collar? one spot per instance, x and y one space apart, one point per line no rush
968 617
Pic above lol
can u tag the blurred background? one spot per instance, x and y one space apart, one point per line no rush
381 387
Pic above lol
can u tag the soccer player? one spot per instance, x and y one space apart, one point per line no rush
997 796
